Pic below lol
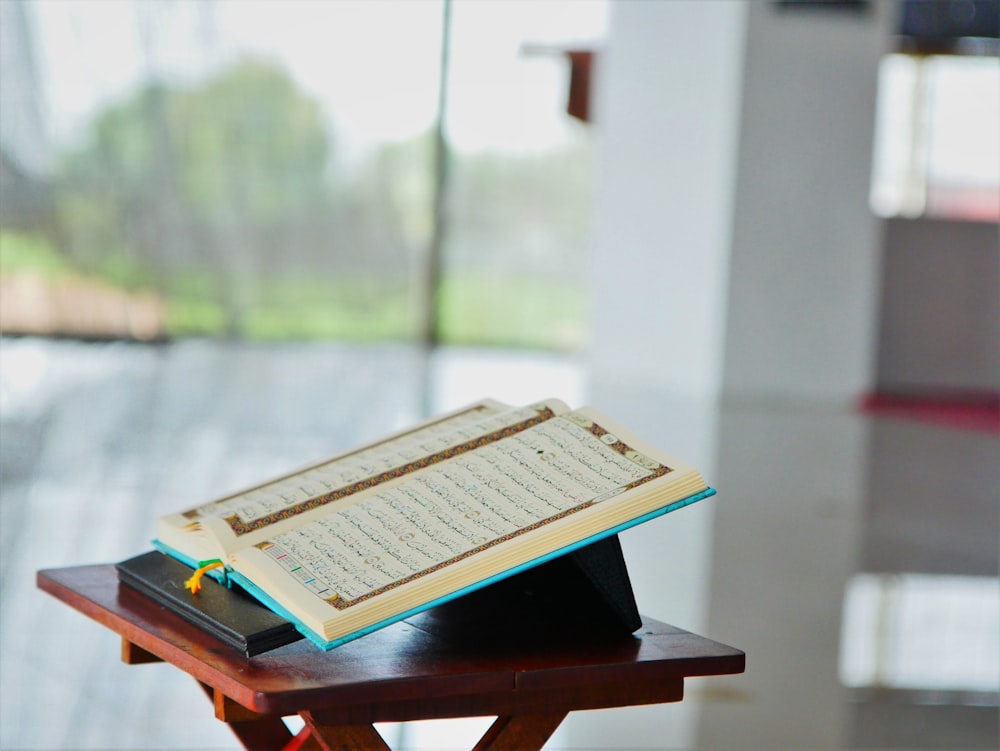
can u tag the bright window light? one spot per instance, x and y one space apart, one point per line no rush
936 148
921 632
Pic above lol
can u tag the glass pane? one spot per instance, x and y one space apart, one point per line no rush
922 632
219 167
519 175
963 159
936 147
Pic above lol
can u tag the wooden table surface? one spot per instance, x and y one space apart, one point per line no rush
407 671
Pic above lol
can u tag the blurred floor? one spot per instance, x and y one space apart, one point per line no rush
853 559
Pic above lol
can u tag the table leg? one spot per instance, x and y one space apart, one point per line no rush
133 654
345 737
256 732
520 732
264 735
304 741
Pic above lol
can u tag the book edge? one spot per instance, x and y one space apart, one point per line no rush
325 645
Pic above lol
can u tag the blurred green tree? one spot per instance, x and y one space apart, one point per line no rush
211 185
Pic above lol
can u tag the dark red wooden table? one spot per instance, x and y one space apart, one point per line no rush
412 670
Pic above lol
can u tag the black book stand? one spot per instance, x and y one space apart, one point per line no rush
589 588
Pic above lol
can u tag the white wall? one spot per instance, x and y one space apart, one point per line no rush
734 246
734 254
667 109
802 304
666 118
940 307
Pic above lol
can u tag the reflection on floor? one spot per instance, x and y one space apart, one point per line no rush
854 559
818 507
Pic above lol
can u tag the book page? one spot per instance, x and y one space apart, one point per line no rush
452 511
243 518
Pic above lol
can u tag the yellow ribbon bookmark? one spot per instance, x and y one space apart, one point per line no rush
194 583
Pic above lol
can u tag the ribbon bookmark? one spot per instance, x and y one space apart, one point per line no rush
194 583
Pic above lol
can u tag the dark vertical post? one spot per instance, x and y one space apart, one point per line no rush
430 334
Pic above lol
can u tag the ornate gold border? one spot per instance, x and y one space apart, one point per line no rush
199 512
338 602
241 527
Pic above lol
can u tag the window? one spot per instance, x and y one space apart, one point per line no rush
936 149
271 171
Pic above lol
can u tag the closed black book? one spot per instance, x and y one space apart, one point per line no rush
231 615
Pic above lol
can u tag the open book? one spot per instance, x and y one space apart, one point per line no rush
349 545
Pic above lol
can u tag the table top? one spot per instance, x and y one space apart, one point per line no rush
396 673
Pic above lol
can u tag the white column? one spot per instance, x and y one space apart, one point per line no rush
804 264
667 119
735 254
